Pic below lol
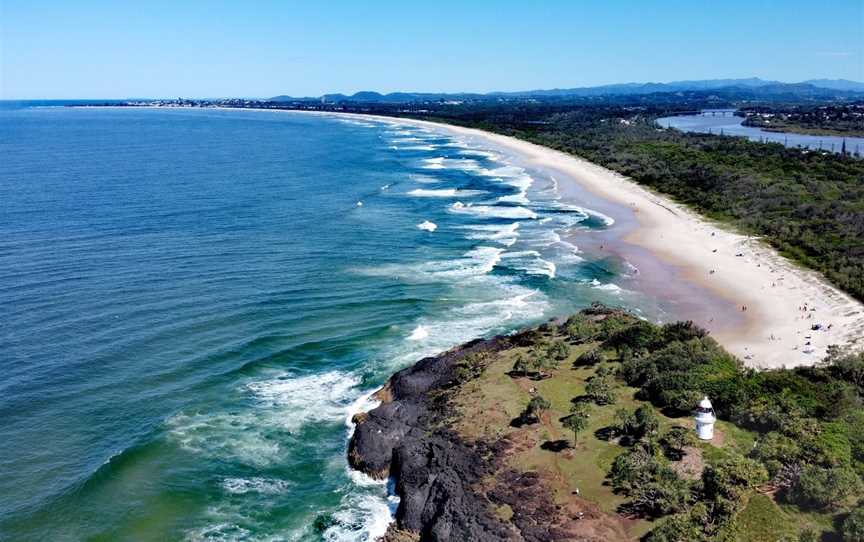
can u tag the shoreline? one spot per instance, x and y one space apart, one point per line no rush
750 297
774 330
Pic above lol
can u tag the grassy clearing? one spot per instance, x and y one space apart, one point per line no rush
487 405
763 521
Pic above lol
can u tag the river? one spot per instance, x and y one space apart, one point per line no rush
723 121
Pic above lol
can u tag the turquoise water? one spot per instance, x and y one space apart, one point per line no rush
193 303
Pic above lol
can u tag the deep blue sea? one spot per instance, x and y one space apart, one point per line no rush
193 303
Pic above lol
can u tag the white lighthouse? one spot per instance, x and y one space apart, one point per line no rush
705 419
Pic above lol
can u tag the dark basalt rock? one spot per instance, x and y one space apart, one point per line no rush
436 473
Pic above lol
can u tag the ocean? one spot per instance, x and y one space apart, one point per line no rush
194 303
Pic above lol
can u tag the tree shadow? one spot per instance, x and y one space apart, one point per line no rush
606 433
555 445
522 420
581 400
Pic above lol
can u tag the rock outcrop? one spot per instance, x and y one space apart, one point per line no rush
436 474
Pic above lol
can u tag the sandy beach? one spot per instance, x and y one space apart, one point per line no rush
779 303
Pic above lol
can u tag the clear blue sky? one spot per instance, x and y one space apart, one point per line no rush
89 49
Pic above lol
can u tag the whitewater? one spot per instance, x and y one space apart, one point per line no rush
194 312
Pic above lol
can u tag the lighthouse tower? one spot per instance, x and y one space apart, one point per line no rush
705 419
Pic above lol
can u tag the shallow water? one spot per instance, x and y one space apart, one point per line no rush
194 302
723 122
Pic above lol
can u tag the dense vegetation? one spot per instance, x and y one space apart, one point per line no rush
808 455
808 205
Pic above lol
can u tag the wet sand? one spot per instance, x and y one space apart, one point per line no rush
759 305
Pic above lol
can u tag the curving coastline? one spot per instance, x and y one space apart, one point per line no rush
750 297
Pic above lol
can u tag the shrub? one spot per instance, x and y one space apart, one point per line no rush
665 494
732 477
682 332
635 467
677 528
613 324
600 390
580 328
521 366
638 424
471 366
558 350
591 357
853 526
640 335
675 440
820 487
536 406
775 450
849 368
542 362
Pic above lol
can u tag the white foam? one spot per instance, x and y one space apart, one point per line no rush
608 287
361 518
504 234
531 262
493 211
444 193
474 263
418 334
364 124
579 210
478 261
521 198
499 302
463 164
423 179
285 404
429 147
266 486
427 226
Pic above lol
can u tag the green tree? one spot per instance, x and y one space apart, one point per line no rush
520 366
580 328
730 478
637 424
600 390
634 467
541 362
853 526
821 487
774 450
677 528
577 420
589 358
558 350
665 494
535 408
675 440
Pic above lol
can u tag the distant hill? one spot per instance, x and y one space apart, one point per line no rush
752 88
837 84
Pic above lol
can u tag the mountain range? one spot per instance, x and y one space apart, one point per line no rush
813 88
